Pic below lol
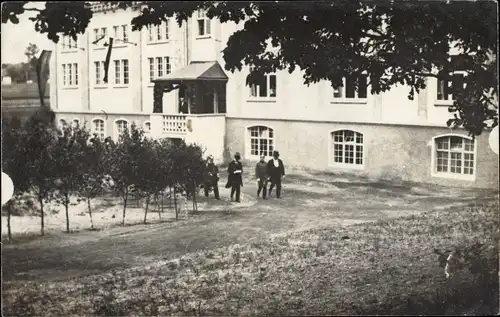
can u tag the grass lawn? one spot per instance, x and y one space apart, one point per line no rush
382 267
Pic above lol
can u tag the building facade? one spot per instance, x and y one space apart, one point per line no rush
170 80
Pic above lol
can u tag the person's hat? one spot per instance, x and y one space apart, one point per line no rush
210 157
237 154
276 153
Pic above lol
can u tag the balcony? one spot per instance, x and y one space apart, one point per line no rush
207 130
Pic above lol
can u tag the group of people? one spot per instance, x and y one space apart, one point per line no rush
271 172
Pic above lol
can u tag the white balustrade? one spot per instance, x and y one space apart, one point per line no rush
174 124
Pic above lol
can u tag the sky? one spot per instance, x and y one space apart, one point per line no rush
16 37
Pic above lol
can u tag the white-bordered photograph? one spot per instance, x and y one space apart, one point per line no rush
237 158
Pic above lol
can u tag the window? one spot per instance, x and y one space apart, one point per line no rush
98 128
101 33
203 23
120 33
159 63
147 127
455 81
348 147
118 74
62 124
265 87
261 141
121 72
348 90
70 75
121 127
68 43
454 155
99 73
159 33
159 67
125 71
75 123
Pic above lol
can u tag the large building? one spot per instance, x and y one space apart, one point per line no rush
170 80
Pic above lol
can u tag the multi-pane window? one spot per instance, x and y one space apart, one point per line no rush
147 127
98 128
265 87
204 27
120 33
348 89
261 141
455 81
454 155
68 43
70 74
159 67
446 86
158 33
100 33
348 147
118 73
121 71
99 72
121 127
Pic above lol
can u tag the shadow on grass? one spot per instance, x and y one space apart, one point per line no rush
476 299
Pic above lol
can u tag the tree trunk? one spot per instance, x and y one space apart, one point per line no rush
125 198
9 212
170 198
159 210
195 206
40 200
146 211
90 214
66 205
175 205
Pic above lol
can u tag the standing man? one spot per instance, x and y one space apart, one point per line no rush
211 177
262 175
276 172
235 179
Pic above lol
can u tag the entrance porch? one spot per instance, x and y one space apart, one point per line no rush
201 107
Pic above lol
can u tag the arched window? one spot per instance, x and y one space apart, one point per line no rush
62 123
147 127
75 123
98 128
454 155
348 147
261 141
121 126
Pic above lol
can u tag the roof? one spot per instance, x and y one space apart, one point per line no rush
23 91
196 71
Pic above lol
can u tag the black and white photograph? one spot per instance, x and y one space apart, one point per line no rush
250 158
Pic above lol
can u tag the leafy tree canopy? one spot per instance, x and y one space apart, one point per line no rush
392 42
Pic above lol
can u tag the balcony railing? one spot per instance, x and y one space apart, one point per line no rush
174 124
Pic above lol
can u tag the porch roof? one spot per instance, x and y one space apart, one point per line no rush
196 71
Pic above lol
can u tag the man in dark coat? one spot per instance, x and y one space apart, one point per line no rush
211 177
276 173
262 176
235 179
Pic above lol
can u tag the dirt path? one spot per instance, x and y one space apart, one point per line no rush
305 205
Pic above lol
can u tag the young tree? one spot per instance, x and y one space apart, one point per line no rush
94 165
14 164
148 181
38 142
187 169
124 169
393 42
69 154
